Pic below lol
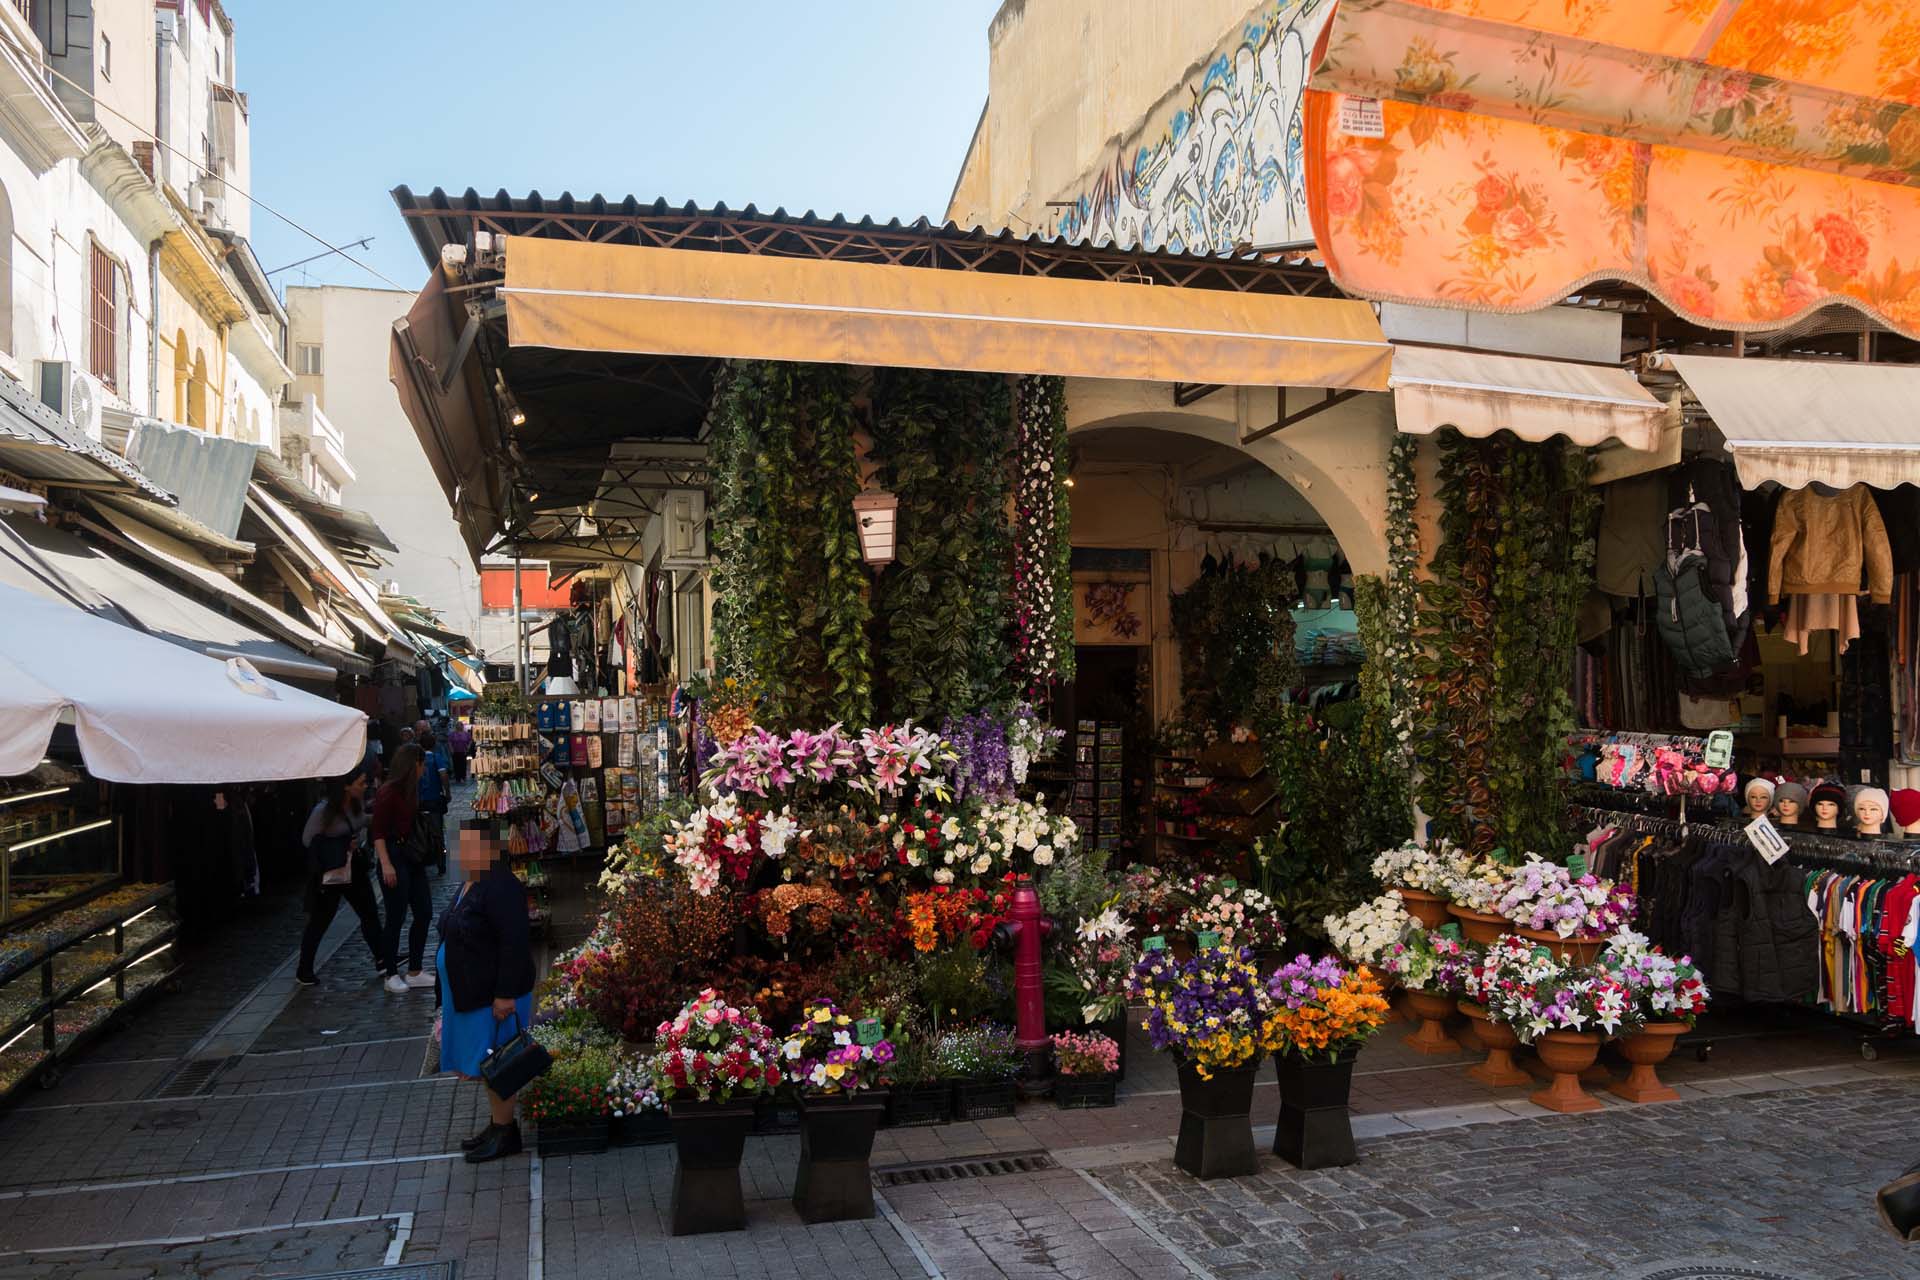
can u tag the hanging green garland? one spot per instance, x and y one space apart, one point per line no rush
991 588
1400 598
1042 551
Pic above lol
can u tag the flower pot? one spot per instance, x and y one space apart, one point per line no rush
1497 1038
1216 1125
1643 1053
1430 909
1433 1011
834 1183
571 1137
776 1114
982 1099
708 1140
1315 1129
646 1129
1566 1054
912 1105
1571 950
1079 1093
1482 927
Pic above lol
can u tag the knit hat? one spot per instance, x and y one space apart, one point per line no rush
1765 784
1876 795
1904 805
1831 792
1791 791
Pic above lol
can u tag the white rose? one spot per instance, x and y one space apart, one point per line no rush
943 876
982 864
1043 856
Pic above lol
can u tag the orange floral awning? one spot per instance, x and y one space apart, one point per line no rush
1746 160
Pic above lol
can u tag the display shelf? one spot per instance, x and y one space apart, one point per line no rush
23 948
26 1054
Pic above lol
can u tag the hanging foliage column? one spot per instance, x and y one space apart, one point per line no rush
1042 551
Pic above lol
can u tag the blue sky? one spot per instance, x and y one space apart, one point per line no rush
866 111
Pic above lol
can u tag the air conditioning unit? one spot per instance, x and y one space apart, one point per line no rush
74 394
683 526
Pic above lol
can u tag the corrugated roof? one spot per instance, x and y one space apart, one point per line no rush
36 441
207 473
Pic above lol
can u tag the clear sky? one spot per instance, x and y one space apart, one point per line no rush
854 106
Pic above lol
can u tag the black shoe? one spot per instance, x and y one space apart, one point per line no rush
504 1140
468 1144
306 979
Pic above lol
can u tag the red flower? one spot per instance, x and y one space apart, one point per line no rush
1846 247
1492 193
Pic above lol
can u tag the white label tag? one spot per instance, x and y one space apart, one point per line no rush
1361 117
1767 840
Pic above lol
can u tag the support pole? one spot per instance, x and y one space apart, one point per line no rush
519 631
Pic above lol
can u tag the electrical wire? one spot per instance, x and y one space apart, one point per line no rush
206 172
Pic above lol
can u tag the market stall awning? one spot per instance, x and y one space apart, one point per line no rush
1479 393
148 711
37 442
308 545
1748 161
426 364
578 296
1795 422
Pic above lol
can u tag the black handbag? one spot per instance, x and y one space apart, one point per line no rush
508 1068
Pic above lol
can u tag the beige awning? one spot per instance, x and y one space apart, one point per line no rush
1799 421
305 543
1479 393
578 296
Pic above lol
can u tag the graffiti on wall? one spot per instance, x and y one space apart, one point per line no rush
1220 162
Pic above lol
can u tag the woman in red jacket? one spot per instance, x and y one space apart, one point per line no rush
402 873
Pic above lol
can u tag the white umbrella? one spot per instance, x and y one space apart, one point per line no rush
147 710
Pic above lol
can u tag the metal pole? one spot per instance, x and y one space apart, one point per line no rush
519 632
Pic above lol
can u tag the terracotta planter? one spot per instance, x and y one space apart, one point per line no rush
1315 1128
1566 1054
1643 1053
1430 909
1216 1125
1572 950
1497 1038
834 1182
708 1141
1482 927
1431 1038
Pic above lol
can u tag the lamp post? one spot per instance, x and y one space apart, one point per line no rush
1025 932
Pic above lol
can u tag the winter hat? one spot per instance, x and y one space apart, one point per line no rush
1765 784
1832 792
1904 805
1875 794
1791 791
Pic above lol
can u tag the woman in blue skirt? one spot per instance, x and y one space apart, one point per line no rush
486 976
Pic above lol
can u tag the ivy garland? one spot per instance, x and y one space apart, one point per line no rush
1399 618
1042 552
989 494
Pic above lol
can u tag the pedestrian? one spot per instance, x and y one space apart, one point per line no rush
435 794
334 839
403 869
485 964
460 748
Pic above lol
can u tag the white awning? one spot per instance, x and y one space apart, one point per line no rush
1478 393
1798 421
149 711
308 545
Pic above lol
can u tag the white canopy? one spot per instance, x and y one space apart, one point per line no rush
1479 393
149 711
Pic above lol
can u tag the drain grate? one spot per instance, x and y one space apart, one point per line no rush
901 1175
406 1271
1711 1272
191 1080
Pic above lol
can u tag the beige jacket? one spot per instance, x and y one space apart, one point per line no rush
1822 545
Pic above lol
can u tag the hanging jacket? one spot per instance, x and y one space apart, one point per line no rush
1627 546
1692 623
1825 545
1778 938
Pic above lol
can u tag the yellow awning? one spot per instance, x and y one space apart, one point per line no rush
1479 393
591 297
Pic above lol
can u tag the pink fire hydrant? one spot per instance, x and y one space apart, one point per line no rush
1025 932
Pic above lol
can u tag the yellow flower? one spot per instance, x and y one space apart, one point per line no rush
821 1015
836 1069
842 1020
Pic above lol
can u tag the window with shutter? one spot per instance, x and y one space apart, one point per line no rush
103 347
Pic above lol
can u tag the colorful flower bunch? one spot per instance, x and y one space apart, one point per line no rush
1524 986
1451 967
813 906
899 755
1547 897
631 1090
924 836
829 1052
1211 1011
713 1051
573 1089
1242 915
940 915
1476 884
1322 1007
1091 1053
1373 933
986 1052
1017 835
1151 898
1418 866
1099 958
1661 988
983 764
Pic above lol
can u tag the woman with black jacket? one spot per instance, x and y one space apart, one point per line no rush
335 874
486 976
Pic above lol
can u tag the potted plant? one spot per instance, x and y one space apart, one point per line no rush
636 1116
1668 996
1420 872
1462 970
1570 912
1323 1012
981 1062
1210 1012
838 1065
568 1103
1089 1070
919 1096
1238 915
710 1063
1563 1010
1093 975
1473 890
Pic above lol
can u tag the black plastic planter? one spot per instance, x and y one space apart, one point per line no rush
708 1140
1315 1130
645 1129
776 1115
834 1183
1078 1093
575 1138
1116 1029
1216 1124
982 1099
913 1105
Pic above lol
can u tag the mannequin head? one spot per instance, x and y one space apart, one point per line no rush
1904 806
1827 800
1870 805
1759 797
1790 803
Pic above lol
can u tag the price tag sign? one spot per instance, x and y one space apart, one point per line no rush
1229 884
869 1031
1767 840
1576 865
1361 117
1719 749
1206 941
1155 943
1449 930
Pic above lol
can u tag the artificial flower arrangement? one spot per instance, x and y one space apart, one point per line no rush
725 838
1099 959
1151 898
993 752
1086 1054
713 1051
1661 988
986 1052
1373 933
1476 884
1322 1007
1448 962
1210 1012
1240 915
885 761
1420 867
1549 898
830 1052
631 1090
1020 836
1525 987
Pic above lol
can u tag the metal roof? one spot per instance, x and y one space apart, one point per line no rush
207 473
36 441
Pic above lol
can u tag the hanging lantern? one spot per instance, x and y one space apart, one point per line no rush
873 513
